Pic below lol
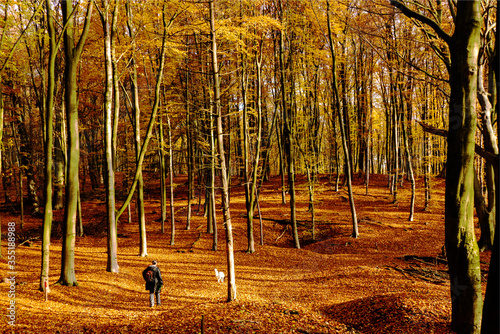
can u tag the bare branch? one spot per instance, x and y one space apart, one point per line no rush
424 19
489 156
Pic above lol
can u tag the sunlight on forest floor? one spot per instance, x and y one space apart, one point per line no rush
336 284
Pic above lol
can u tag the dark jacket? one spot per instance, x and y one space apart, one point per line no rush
158 283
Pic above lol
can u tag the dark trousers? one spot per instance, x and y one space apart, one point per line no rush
152 295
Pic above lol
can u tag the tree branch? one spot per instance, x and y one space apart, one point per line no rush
424 19
487 155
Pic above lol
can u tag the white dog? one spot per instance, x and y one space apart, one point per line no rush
220 276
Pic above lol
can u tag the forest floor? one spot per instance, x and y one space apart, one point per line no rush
392 279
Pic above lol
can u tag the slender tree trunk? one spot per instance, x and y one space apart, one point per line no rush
404 130
231 291
141 216
288 137
116 83
112 238
143 248
251 184
488 223
491 313
60 160
48 145
246 169
190 152
211 218
355 232
491 308
427 154
163 170
171 177
279 135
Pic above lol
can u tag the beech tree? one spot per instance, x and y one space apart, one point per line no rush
231 285
112 242
288 135
337 109
460 240
48 146
72 54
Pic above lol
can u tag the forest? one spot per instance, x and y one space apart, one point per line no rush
336 159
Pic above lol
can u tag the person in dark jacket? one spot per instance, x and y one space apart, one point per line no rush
154 287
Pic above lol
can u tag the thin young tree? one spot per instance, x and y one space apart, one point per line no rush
491 308
336 99
48 147
171 181
231 291
163 185
112 238
190 151
288 132
136 111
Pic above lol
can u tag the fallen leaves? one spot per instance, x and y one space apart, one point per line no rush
334 284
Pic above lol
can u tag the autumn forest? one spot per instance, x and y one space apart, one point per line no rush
336 159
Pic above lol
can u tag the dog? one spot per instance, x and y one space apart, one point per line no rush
220 276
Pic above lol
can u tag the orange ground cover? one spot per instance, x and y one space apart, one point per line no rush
335 284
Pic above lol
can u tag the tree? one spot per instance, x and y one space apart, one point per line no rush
112 239
337 109
48 146
491 307
231 290
136 111
72 54
288 131
461 246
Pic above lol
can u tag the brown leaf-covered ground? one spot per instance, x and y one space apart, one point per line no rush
391 279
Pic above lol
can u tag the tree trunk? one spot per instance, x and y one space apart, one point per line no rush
288 137
59 158
461 246
405 120
171 178
72 57
210 199
136 111
348 173
48 145
249 191
491 312
112 241
488 224
460 240
231 291
163 171
491 308
190 153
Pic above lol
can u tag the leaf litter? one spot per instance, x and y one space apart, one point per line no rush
333 284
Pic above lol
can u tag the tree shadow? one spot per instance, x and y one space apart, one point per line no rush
386 314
